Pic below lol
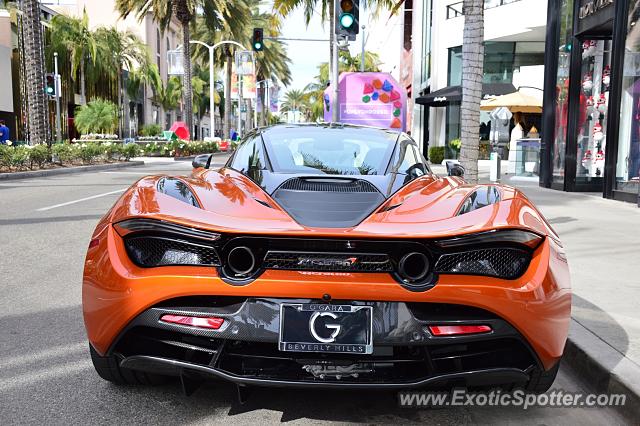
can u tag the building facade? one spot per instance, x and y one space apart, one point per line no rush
592 98
514 36
103 13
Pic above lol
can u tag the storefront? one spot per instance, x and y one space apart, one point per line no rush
592 98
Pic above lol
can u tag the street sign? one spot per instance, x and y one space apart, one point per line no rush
244 63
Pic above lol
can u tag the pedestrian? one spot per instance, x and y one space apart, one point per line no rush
4 133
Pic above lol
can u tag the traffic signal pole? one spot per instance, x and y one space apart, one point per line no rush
56 79
335 109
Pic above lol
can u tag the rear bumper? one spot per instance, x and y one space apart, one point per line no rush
406 355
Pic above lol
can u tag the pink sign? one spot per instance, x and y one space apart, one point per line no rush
370 99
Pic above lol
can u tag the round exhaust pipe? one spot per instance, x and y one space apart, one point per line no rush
241 260
413 266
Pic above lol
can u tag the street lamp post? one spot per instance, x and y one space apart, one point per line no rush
212 103
58 87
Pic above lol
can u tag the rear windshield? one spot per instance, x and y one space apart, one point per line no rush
331 151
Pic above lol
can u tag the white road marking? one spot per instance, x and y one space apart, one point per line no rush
55 206
127 173
54 352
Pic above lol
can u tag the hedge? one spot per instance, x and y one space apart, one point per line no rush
66 154
436 154
38 156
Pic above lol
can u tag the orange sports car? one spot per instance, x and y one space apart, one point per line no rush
326 256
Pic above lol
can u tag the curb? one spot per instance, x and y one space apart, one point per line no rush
65 171
607 370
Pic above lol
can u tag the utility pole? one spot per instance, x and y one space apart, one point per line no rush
56 79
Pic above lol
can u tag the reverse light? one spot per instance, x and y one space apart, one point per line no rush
212 323
457 330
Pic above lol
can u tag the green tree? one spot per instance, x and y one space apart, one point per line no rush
72 36
185 11
327 12
120 51
295 100
234 28
98 116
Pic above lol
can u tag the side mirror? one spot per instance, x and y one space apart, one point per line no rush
201 160
455 169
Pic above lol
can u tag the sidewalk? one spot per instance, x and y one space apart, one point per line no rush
602 240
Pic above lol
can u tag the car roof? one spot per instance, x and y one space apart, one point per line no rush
324 125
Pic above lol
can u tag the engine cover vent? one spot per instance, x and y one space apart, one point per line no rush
328 203
328 185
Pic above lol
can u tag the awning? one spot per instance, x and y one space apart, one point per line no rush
453 94
516 102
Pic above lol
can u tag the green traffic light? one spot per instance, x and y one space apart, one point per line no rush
346 20
257 45
49 89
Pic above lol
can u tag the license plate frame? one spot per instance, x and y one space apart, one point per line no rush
339 318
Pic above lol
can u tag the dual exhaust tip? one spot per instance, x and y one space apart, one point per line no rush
412 267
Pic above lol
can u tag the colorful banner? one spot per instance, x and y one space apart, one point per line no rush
371 99
248 86
274 92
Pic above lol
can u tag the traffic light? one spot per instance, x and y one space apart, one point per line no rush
257 41
347 18
50 84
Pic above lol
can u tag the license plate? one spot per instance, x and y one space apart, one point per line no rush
326 328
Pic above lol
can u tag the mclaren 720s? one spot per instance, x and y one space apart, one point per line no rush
326 256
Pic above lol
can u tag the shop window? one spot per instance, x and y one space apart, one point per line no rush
595 75
628 161
562 90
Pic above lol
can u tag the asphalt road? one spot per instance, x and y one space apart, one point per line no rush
46 375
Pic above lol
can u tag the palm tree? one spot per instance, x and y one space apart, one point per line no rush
284 7
295 101
184 10
472 63
34 67
73 36
120 51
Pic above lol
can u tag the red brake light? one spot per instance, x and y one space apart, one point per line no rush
455 330
213 323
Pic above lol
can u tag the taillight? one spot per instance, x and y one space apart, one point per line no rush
457 330
94 243
212 323
493 238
